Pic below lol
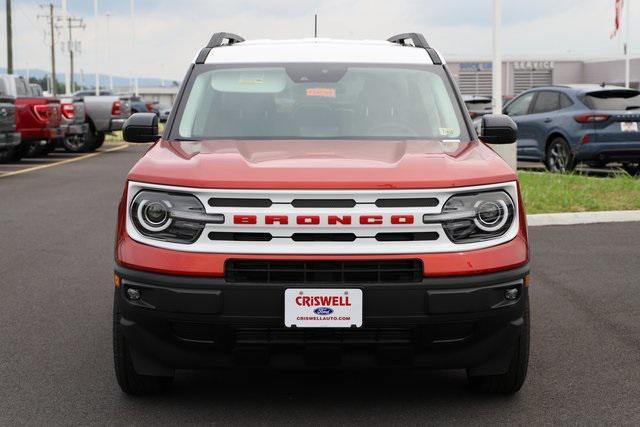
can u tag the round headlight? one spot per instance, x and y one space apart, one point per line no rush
154 215
479 216
490 215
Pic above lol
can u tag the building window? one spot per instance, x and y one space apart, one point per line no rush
528 79
475 82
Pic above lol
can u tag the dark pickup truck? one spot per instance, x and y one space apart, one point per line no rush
38 119
9 138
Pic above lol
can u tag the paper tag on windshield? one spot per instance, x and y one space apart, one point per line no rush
327 92
448 132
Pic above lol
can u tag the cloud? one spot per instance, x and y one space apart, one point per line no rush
168 33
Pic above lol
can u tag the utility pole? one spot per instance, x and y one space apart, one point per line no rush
9 39
52 27
71 24
315 26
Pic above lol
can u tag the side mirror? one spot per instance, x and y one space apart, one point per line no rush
141 127
498 129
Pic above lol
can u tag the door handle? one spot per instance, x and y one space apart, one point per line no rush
548 120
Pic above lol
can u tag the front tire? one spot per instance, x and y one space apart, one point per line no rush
558 157
128 379
100 139
511 381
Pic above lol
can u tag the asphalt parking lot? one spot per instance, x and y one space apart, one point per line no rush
56 235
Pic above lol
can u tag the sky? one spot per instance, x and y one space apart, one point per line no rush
168 33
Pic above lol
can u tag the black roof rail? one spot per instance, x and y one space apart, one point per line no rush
217 40
419 41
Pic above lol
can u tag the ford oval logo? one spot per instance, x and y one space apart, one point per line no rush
323 311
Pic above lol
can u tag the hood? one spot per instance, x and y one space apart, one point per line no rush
321 164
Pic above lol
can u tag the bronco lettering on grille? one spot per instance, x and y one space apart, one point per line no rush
330 219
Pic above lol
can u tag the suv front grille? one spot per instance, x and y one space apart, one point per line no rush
327 272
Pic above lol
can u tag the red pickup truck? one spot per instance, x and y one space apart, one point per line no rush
38 119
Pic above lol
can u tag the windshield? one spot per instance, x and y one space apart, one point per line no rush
613 100
319 101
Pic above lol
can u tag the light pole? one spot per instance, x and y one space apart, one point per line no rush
67 75
507 152
133 43
109 53
97 53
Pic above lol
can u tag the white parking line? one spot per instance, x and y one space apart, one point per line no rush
63 162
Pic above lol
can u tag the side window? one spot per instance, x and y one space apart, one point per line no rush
565 101
21 87
520 106
547 101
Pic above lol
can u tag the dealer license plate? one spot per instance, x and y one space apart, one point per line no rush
629 126
323 308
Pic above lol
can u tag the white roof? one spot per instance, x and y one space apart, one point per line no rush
318 50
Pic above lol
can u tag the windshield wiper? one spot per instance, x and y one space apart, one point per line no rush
632 107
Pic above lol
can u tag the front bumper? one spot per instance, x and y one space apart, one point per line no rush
9 140
443 322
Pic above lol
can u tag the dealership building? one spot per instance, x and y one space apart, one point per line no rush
519 74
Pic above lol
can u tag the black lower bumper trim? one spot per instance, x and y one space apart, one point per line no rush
189 322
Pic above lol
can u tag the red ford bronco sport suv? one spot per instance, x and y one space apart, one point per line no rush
320 203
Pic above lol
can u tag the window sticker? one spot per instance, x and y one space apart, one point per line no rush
326 92
448 132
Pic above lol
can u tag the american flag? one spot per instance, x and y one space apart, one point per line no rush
616 21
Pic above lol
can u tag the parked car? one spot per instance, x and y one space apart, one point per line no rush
478 105
163 113
137 105
75 125
9 137
302 209
38 119
565 125
105 113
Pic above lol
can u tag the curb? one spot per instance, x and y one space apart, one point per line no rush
573 218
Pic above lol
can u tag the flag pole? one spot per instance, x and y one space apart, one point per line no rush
627 48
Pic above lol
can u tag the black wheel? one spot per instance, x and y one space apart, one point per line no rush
100 139
6 155
51 147
559 157
632 169
128 379
20 151
511 381
80 143
38 150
